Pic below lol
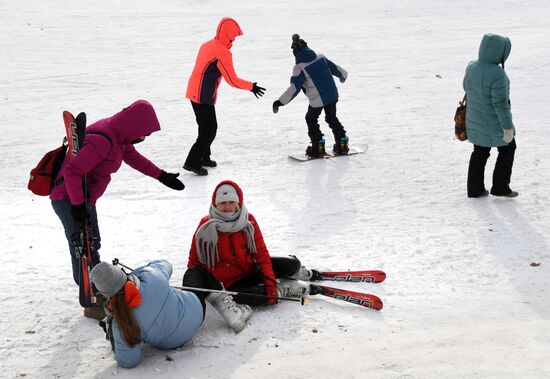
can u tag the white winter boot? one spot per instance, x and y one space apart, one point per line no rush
292 288
234 314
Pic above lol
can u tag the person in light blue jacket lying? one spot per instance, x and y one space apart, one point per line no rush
313 74
146 309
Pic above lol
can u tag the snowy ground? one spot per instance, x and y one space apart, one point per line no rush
462 299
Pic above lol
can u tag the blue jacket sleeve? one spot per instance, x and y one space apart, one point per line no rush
296 84
337 71
125 355
164 267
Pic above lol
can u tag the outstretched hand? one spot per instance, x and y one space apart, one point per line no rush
276 105
171 180
272 292
257 90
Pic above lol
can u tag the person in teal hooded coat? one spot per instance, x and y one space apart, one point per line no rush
488 117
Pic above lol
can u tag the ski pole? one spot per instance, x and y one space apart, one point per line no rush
117 262
301 300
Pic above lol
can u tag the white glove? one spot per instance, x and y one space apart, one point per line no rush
508 135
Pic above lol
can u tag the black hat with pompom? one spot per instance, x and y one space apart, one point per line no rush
297 44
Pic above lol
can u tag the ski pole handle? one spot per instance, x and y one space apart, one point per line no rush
117 262
300 300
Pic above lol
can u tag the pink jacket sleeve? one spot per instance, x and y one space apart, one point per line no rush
138 162
89 156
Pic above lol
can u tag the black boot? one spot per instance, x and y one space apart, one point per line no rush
341 146
207 162
317 149
340 142
199 171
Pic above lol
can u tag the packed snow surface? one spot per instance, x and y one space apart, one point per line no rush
467 293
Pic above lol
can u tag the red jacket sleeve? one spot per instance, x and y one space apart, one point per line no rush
225 65
263 258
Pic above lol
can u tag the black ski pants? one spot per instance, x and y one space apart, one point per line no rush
312 121
199 277
501 174
283 267
62 209
205 114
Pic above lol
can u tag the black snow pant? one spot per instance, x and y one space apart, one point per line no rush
312 121
205 114
199 277
283 267
501 174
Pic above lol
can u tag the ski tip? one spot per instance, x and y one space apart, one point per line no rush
68 118
81 118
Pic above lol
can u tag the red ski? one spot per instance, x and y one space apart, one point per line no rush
364 299
75 129
366 276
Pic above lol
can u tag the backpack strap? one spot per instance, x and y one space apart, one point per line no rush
103 135
61 179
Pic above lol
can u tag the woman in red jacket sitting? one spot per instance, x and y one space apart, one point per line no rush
229 245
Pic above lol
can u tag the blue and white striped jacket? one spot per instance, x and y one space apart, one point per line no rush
313 74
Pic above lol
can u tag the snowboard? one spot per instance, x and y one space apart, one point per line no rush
355 149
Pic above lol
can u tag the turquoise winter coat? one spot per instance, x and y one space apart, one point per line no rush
488 93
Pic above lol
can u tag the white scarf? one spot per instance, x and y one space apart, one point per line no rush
206 238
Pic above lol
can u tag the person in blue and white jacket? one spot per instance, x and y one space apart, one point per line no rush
146 309
313 75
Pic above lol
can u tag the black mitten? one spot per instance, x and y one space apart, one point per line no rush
171 180
80 215
276 105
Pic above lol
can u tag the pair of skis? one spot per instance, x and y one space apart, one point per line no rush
359 298
75 128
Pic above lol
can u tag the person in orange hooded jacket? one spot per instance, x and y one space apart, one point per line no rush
214 60
229 245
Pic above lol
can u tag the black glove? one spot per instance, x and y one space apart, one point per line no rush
171 180
258 91
80 215
276 105
107 325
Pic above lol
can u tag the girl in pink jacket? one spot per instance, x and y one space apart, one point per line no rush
107 144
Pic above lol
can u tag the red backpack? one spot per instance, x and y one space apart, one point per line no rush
42 179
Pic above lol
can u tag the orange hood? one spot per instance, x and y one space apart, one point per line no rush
228 30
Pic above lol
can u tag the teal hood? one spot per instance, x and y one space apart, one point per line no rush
494 49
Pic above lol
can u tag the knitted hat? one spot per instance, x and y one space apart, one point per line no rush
226 192
108 279
297 44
